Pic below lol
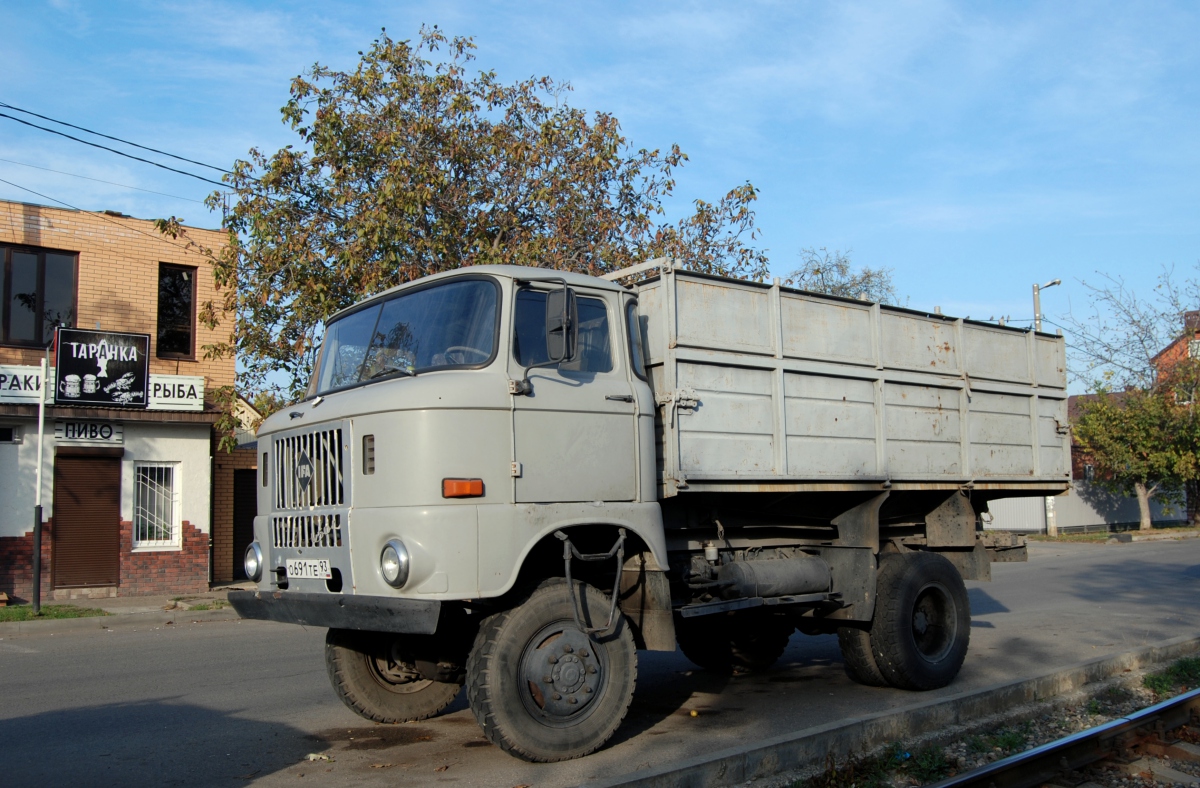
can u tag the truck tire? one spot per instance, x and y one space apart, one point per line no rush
541 688
734 643
857 658
373 676
922 623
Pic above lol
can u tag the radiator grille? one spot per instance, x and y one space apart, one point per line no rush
308 470
307 530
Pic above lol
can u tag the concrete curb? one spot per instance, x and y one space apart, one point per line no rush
802 748
123 621
1136 537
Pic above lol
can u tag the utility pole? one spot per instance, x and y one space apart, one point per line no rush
37 496
1037 302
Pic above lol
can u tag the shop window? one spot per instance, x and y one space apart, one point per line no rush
37 293
176 311
156 505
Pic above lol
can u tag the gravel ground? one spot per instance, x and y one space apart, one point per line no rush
946 753
1113 703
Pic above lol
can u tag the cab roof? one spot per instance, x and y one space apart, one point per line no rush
522 272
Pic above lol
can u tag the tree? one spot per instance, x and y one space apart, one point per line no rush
408 165
822 271
1144 438
1135 439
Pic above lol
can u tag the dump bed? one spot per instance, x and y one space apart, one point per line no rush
763 387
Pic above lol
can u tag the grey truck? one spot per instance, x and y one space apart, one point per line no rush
512 479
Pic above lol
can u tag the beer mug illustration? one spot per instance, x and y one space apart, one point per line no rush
69 386
89 384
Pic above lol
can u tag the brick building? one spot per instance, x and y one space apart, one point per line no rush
130 463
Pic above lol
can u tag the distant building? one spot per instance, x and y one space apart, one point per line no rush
136 498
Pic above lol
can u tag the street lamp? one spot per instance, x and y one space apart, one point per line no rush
1037 302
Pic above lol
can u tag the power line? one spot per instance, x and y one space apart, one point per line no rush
100 216
119 153
114 139
98 180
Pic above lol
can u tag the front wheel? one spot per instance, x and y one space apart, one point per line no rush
375 675
922 623
540 687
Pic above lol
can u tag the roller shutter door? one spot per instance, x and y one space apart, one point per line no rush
87 521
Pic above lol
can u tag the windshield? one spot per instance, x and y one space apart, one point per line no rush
444 326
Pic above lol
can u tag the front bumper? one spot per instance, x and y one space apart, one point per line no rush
340 611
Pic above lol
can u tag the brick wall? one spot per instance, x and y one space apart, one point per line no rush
225 463
144 573
118 277
168 571
16 566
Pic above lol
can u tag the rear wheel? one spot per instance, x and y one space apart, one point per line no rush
376 676
543 689
857 658
922 623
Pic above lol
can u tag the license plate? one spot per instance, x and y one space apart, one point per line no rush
309 570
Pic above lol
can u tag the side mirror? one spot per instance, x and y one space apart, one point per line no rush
562 325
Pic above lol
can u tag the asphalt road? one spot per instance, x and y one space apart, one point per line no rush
238 703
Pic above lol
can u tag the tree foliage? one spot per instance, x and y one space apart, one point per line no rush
411 164
833 273
1129 437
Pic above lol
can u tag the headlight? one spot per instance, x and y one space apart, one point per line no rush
254 562
393 563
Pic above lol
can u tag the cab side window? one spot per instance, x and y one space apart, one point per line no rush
529 337
637 347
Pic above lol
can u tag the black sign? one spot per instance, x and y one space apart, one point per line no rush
102 368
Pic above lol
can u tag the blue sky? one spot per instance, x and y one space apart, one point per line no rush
974 148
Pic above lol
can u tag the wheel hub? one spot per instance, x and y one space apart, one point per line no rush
396 673
920 622
933 622
562 673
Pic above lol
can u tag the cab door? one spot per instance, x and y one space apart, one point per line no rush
574 433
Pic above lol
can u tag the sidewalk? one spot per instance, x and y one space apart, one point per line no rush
132 605
136 611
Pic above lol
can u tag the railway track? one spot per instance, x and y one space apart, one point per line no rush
1142 735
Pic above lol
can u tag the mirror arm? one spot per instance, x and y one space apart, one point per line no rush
524 386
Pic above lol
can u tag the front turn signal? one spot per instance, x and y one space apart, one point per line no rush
462 488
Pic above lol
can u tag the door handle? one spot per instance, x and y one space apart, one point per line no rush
619 397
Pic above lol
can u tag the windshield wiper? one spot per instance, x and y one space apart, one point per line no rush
393 371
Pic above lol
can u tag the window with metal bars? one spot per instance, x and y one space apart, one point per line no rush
156 505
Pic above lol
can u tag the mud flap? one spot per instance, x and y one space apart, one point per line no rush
646 601
854 571
974 564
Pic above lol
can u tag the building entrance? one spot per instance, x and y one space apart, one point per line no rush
87 521
245 507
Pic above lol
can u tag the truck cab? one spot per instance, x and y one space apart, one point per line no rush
411 434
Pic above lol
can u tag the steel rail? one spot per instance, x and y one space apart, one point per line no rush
1060 761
